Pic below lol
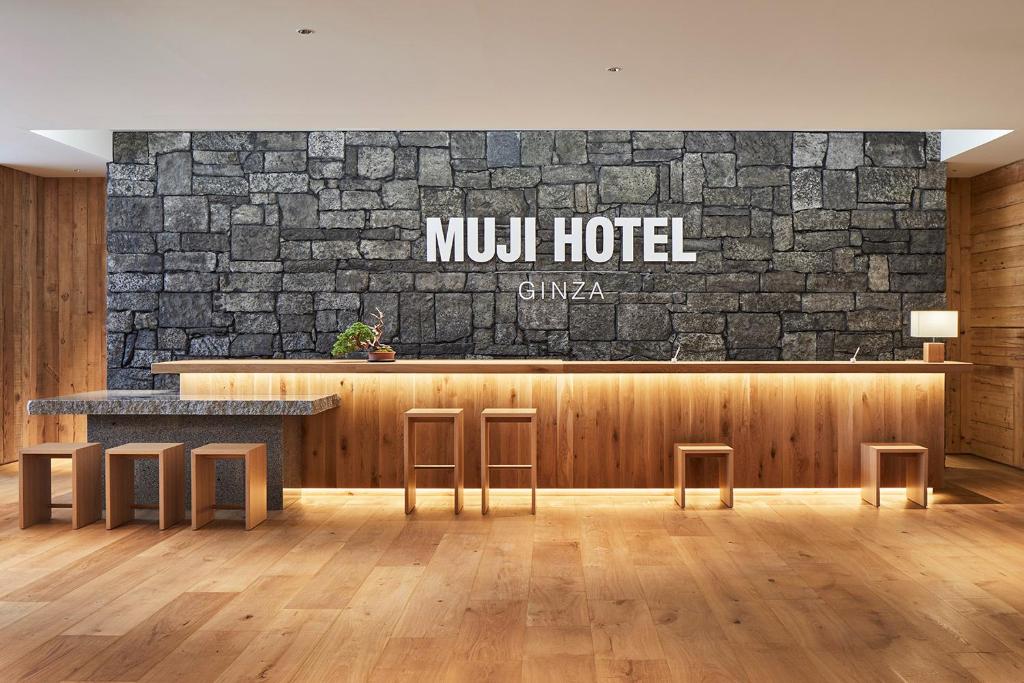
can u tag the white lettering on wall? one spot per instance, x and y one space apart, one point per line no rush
473 249
445 244
572 240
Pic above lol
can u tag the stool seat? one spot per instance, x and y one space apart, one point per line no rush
204 481
506 415
34 481
871 453
721 451
121 482
57 450
521 414
433 413
412 417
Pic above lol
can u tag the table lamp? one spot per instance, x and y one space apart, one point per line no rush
934 324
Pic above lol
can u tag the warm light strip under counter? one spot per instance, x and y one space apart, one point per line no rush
599 430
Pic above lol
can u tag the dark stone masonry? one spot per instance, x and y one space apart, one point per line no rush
259 244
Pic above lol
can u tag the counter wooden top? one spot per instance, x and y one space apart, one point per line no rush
551 366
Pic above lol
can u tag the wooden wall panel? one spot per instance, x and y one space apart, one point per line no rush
53 306
985 281
611 430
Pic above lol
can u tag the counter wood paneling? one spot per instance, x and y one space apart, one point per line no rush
606 424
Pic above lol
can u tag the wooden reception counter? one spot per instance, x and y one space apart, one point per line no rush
602 423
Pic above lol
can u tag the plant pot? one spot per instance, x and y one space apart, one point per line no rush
380 356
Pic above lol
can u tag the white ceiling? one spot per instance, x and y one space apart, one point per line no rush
450 64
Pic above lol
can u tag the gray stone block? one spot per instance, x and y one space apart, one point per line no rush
254 242
570 148
807 189
400 194
185 310
186 214
845 150
664 139
174 173
719 169
762 176
638 322
503 148
376 162
764 148
496 203
327 145
435 168
467 145
621 184
809 149
753 330
279 182
298 211
709 141
895 149
454 314
889 185
281 162
592 322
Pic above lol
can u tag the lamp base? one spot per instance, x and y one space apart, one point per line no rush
934 352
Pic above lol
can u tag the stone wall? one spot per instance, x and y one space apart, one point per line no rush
239 244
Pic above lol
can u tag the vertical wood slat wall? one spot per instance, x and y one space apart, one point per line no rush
52 301
985 282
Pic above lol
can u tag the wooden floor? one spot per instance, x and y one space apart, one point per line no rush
786 586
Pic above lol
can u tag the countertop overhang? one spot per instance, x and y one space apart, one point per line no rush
161 402
551 367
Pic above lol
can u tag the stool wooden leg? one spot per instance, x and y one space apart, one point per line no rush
869 486
86 488
917 479
255 487
679 477
725 479
204 484
458 457
410 465
533 466
172 486
120 490
33 490
485 469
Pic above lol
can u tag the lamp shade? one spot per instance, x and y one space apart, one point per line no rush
933 324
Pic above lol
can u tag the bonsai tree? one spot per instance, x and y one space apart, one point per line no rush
361 337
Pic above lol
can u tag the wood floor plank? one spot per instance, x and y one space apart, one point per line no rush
787 586
350 647
437 606
277 653
139 650
60 658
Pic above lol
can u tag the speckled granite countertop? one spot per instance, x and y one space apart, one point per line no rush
147 402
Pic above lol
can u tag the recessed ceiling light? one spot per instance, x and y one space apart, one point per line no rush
304 31
615 69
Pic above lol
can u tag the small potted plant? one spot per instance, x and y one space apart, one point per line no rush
359 336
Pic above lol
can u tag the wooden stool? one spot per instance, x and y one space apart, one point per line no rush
204 481
121 482
721 451
35 504
489 416
917 470
418 415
